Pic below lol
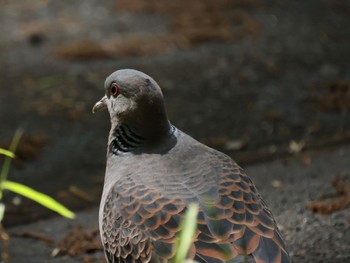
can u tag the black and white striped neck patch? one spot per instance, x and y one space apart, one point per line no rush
125 139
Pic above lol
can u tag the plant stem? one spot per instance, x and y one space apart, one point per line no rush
13 146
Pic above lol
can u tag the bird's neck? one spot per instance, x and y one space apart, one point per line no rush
125 138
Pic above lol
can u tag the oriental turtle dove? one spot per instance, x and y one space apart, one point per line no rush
154 171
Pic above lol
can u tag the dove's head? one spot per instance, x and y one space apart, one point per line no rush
135 99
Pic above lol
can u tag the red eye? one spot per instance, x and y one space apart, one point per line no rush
114 90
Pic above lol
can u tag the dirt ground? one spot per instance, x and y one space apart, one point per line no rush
261 81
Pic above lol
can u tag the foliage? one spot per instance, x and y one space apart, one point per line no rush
24 190
188 231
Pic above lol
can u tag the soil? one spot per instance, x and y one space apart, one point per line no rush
261 81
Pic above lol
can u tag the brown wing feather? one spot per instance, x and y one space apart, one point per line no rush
140 224
258 234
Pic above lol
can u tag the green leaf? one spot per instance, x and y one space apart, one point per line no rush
38 197
7 153
2 211
189 226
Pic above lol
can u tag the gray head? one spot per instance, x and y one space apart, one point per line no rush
135 99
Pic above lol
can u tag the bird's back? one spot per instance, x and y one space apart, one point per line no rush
148 194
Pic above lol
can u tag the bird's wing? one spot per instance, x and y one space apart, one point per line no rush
239 222
142 221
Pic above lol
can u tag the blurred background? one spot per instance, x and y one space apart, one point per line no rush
258 80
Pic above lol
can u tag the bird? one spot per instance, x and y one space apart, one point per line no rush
154 171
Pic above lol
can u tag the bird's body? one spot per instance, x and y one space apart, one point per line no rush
154 171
